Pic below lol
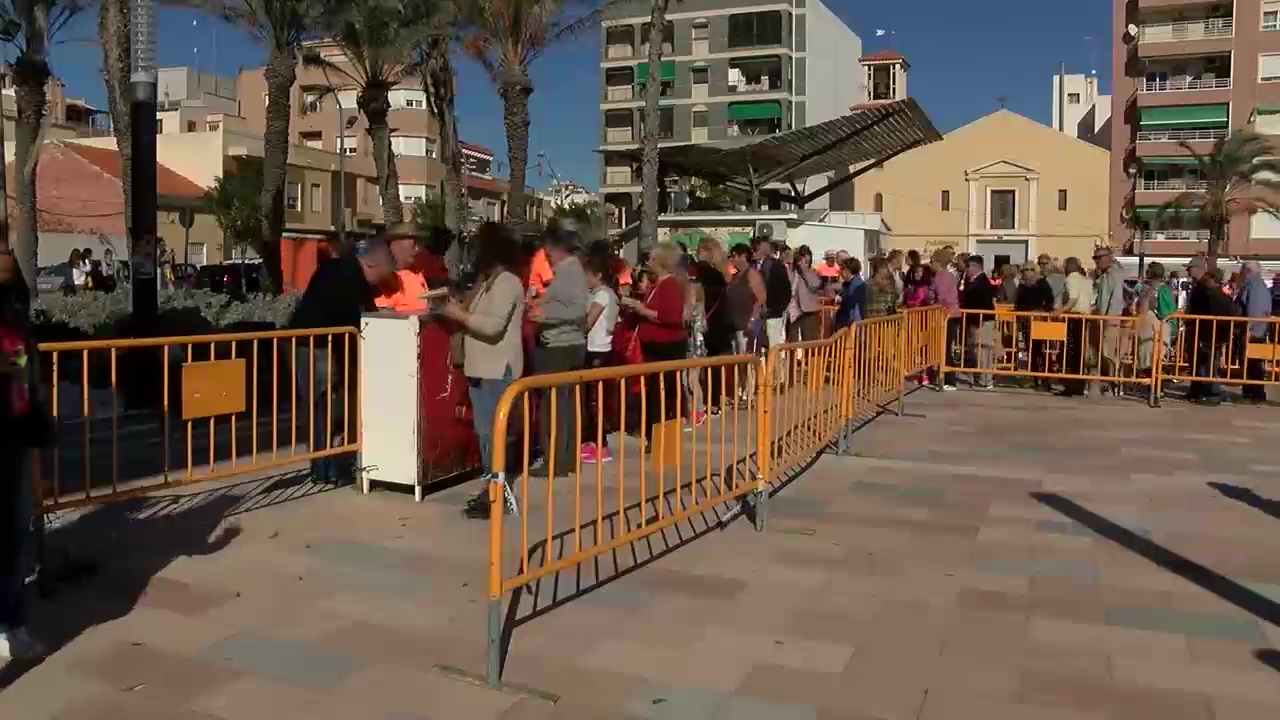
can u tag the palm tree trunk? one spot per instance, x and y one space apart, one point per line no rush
375 105
439 82
31 76
515 88
1217 236
115 35
280 73
652 128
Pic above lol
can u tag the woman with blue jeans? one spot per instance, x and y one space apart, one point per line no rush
493 356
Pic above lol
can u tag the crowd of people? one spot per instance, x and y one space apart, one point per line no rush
82 272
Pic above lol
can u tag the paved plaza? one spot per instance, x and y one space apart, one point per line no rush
987 556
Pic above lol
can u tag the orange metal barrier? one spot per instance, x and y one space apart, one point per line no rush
1072 349
1219 350
138 415
768 416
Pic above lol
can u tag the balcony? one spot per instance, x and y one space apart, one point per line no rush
1187 30
619 135
765 117
619 84
1174 235
1172 185
1180 84
620 42
1174 135
620 176
755 75
619 126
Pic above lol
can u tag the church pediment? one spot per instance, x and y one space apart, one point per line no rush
1002 168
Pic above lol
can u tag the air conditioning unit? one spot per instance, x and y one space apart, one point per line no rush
773 229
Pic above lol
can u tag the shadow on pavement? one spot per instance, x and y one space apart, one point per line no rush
1248 497
1229 590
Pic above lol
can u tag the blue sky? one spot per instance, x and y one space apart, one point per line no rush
963 56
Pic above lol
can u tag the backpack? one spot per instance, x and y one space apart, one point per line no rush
1165 304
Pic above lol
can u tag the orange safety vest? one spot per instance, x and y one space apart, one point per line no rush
403 292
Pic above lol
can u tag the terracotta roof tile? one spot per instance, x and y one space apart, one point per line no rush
475 148
883 55
168 182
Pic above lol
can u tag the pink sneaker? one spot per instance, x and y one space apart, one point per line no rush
695 420
605 455
589 453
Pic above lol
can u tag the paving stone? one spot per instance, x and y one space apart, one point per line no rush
306 665
745 708
154 676
1191 624
667 702
783 507
359 555
1079 571
917 495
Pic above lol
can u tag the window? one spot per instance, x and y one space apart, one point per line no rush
1002 209
699 75
701 38
197 254
159 126
407 98
213 126
666 124
350 143
878 203
946 200
310 102
412 192
1271 20
315 201
755 29
1073 98
409 145
312 139
292 196
1269 68
191 126
1062 200
699 118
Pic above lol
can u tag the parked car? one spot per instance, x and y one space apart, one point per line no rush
232 278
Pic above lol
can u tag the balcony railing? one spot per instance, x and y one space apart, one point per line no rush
619 177
1154 86
616 52
1187 30
1183 235
615 93
758 87
1172 185
615 135
1173 135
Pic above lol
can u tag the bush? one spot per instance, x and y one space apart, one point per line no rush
182 312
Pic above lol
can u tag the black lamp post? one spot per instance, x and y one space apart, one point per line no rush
142 132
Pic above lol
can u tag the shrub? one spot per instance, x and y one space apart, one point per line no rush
100 314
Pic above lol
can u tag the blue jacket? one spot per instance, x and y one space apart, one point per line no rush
1254 300
853 297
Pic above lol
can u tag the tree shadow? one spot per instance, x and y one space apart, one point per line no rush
98 565
1229 590
1248 497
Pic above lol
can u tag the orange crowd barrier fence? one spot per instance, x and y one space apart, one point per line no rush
133 416
588 463
1207 351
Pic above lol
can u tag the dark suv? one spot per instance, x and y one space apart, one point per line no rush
237 279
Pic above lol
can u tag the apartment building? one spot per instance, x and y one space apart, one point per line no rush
325 117
186 97
1187 71
1080 109
742 68
64 118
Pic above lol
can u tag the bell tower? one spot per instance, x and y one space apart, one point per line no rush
886 76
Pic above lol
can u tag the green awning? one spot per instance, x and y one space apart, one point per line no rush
1186 115
688 239
764 110
666 71
1184 160
1267 110
739 237
1153 210
759 60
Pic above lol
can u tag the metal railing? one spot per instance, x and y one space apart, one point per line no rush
758 419
620 178
1172 185
617 93
1173 135
1182 235
618 135
1184 30
137 415
619 51
1210 352
1158 86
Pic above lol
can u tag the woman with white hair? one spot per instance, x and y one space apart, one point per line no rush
662 334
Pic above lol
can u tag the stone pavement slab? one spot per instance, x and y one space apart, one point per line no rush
986 555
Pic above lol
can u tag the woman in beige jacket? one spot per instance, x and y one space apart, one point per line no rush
492 353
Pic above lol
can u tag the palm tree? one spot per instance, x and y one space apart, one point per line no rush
1240 176
281 25
115 35
378 38
505 37
40 21
439 84
652 126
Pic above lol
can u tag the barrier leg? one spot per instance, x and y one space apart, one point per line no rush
760 500
493 656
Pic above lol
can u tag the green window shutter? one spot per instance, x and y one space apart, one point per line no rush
1186 115
764 110
666 71
1184 160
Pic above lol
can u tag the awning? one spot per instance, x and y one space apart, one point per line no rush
688 239
1184 160
1267 110
763 110
1185 115
666 71
1153 210
759 60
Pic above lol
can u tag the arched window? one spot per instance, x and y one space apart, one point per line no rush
879 203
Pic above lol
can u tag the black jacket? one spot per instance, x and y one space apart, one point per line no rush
1036 297
336 296
978 294
777 288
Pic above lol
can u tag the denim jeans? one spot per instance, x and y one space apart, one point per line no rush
484 394
15 531
321 395
1207 359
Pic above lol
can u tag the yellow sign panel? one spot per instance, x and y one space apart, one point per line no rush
213 388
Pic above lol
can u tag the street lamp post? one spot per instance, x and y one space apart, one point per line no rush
9 29
142 132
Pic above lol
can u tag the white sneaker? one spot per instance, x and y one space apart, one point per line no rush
948 388
17 644
509 500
